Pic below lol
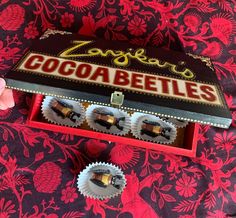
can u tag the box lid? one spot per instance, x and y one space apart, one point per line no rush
152 80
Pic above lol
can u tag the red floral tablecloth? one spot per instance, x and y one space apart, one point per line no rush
38 169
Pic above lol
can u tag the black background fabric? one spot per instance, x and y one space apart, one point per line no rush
38 169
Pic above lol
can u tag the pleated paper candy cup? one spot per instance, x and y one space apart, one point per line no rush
89 189
108 120
50 115
151 128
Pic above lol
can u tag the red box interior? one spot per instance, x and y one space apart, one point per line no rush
189 141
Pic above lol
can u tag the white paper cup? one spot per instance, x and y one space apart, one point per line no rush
87 188
53 117
138 120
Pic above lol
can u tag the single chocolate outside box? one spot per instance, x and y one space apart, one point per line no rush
152 80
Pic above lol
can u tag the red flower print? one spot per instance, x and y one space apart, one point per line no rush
96 206
225 141
132 202
234 119
69 194
175 163
67 20
4 150
222 27
1 49
124 156
10 53
138 41
47 177
41 211
67 137
12 17
95 147
31 31
216 214
52 215
6 208
213 50
82 6
137 26
128 6
73 214
88 28
192 21
185 216
186 186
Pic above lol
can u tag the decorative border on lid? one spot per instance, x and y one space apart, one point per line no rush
49 32
205 60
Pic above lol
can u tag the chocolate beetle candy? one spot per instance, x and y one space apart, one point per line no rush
103 178
154 129
107 119
64 110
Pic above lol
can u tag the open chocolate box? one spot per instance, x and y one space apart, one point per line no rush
185 143
154 81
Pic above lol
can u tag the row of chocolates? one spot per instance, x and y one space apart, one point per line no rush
111 120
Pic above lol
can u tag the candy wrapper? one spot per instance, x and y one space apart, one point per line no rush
108 119
178 123
63 112
151 128
101 181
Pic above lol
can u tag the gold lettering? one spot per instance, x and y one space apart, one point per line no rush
78 44
186 73
122 58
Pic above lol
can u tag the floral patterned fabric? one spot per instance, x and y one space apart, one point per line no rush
38 169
